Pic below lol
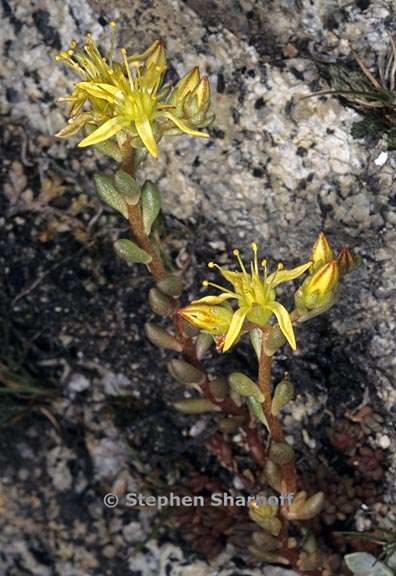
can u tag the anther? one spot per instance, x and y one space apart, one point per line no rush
211 264
205 283
236 252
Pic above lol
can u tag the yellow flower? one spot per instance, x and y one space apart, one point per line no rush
255 295
126 97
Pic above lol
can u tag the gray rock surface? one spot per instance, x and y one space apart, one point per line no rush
277 170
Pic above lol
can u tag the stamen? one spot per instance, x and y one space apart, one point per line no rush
112 42
236 254
264 267
221 288
255 263
124 55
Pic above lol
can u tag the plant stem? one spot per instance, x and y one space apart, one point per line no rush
143 241
135 217
289 475
158 271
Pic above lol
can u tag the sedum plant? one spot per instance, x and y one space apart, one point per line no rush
124 107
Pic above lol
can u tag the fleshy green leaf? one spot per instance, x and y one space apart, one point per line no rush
161 337
284 392
256 337
171 285
151 205
196 406
108 193
244 386
127 187
131 253
258 412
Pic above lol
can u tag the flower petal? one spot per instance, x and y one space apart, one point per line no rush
105 131
214 299
237 321
281 276
99 90
182 125
146 134
285 324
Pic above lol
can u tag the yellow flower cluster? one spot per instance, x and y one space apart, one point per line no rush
255 295
127 99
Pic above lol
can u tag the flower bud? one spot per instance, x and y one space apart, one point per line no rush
321 253
347 261
319 290
197 102
185 86
213 319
